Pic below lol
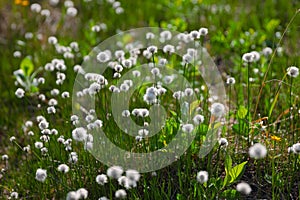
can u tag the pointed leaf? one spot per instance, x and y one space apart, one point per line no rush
27 66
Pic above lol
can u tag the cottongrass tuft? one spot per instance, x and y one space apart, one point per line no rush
41 175
202 177
133 175
244 188
114 172
296 148
257 151
63 168
223 142
101 179
20 93
188 128
120 194
217 109
293 71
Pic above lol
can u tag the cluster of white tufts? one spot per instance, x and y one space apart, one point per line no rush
128 181
116 5
81 193
253 56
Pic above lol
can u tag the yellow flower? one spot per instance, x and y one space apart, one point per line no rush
17 2
25 3
273 137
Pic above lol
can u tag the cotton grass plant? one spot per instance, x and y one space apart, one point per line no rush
46 147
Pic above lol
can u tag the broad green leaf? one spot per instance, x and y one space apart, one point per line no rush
236 171
242 112
228 166
27 66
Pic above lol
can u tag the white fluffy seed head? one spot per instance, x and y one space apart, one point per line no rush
133 175
114 172
293 71
41 175
244 188
101 179
202 177
257 151
63 168
120 194
188 128
217 109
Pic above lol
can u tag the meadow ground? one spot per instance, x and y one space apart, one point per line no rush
202 105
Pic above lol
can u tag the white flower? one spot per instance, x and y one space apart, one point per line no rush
178 94
133 175
195 34
244 188
5 157
63 168
38 145
51 110
35 7
120 194
41 175
230 81
202 177
217 109
79 134
168 49
54 92
53 2
198 119
125 182
65 95
73 157
115 172
152 49
257 151
103 57
136 73
17 54
82 193
20 93
188 91
143 132
267 51
103 198
188 128
12 138
150 35
293 71
165 35
125 113
14 195
223 142
248 57
256 56
72 195
72 12
187 58
155 71
43 124
203 31
101 179
296 148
